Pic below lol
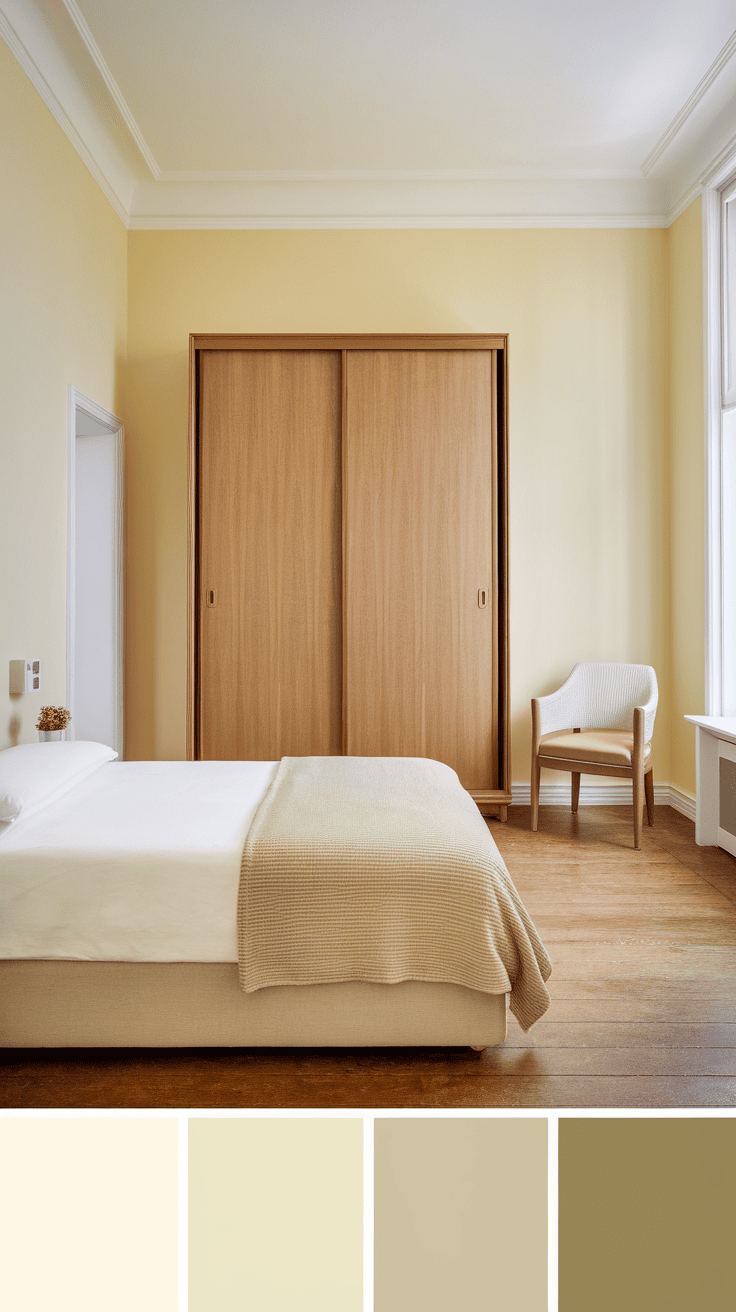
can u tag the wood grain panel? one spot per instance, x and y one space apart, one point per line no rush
269 548
418 498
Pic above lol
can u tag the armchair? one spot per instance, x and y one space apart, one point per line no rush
600 721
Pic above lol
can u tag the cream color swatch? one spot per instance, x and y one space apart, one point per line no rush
276 1215
88 1215
460 1214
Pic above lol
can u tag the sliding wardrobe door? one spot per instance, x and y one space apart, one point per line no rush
269 554
420 618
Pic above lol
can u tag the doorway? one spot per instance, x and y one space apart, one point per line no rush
95 573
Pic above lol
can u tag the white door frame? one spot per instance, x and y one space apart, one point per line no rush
78 401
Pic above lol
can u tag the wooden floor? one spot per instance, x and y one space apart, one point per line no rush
643 1012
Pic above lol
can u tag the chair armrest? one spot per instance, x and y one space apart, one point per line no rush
649 711
560 709
536 735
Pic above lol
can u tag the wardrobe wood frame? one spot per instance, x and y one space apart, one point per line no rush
488 800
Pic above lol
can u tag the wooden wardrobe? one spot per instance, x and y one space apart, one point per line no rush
348 551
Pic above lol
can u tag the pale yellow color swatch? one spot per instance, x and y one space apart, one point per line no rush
276 1215
88 1215
460 1214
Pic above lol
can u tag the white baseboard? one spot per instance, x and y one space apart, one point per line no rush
682 801
604 795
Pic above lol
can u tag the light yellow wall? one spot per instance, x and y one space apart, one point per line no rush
687 490
586 314
63 254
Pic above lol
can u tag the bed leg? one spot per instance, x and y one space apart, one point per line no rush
480 1048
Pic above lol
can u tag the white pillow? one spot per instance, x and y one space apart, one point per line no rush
35 774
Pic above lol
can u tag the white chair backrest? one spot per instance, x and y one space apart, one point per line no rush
602 695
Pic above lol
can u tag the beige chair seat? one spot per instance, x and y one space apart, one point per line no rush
599 746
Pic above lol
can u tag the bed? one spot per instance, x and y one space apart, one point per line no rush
119 900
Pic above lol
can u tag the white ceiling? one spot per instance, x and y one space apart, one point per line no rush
387 112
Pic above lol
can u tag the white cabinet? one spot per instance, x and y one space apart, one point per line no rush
715 815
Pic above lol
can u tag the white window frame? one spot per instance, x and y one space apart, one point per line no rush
719 187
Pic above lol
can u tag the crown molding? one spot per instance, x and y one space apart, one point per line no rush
103 68
720 166
406 175
686 199
354 199
404 202
30 41
220 222
704 85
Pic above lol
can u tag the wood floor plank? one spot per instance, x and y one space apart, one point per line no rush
643 991
634 1008
627 1034
641 959
227 1082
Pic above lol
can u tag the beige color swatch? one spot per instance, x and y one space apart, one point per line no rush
647 1215
460 1214
276 1215
88 1215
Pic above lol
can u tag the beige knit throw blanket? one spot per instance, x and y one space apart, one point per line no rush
381 869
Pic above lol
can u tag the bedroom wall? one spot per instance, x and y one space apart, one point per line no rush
688 491
589 458
64 271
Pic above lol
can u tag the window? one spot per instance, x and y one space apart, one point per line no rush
719 216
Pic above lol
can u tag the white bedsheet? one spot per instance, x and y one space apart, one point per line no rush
140 862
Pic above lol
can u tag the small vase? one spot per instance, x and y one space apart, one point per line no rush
51 735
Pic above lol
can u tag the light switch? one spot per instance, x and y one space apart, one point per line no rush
25 676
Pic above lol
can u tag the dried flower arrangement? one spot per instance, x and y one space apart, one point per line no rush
52 718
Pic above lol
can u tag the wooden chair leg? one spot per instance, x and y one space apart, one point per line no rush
649 795
638 808
575 791
536 774
638 773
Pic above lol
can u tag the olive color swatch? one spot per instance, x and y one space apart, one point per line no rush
276 1214
647 1214
460 1214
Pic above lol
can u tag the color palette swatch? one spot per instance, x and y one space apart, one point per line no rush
276 1215
367 1213
88 1214
647 1214
460 1214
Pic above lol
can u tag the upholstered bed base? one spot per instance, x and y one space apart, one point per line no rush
101 1004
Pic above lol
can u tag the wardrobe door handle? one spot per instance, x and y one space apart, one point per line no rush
482 598
210 598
